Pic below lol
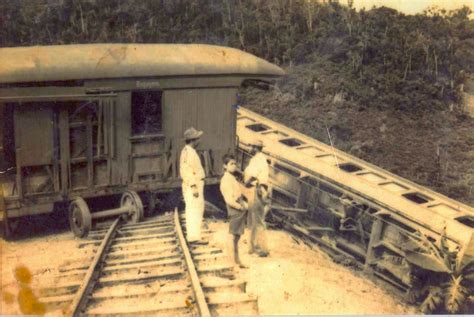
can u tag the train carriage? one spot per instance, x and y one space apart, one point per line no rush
96 120
406 234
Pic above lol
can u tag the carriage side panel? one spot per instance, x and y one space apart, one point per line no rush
210 110
120 149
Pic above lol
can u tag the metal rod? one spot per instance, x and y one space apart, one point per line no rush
291 209
197 287
111 212
80 299
332 146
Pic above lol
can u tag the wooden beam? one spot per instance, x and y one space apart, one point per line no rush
90 159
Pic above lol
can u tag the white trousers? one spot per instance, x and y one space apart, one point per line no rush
194 211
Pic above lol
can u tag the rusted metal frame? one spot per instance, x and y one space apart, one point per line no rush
56 150
90 154
3 209
99 128
64 151
377 225
19 172
148 155
375 235
146 137
80 298
396 216
368 201
84 159
112 131
197 287
205 157
289 209
106 105
302 183
169 161
32 98
111 212
17 210
302 194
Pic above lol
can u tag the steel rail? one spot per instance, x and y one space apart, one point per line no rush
197 287
80 299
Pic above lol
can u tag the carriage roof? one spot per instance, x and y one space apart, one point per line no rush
100 61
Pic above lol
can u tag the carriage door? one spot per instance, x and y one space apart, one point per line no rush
36 148
87 143
147 140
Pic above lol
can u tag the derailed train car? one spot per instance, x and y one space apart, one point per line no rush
81 122
416 239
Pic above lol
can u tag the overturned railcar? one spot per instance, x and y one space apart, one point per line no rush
404 233
86 121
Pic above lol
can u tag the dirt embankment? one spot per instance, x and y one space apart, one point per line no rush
434 149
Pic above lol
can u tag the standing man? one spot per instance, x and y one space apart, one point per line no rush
256 176
236 204
192 173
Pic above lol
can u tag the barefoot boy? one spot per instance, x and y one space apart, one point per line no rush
236 205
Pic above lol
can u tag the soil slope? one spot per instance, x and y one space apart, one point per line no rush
434 149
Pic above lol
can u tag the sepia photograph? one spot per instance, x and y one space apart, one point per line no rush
236 157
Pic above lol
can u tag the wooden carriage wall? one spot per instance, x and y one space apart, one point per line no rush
95 120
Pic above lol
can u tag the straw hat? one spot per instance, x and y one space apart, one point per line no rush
192 134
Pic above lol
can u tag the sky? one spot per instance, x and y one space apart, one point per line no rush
413 6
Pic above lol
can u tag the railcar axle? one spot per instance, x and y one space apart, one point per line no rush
80 217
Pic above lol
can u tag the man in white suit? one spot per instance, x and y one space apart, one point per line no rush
192 174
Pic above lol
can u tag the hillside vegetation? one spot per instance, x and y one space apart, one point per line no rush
387 85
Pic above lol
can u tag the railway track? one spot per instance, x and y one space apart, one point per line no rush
148 269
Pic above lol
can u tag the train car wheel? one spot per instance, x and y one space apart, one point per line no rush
132 200
80 219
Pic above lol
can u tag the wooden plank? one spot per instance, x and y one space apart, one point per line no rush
19 172
375 235
159 310
34 135
119 143
128 253
99 128
289 209
137 292
171 273
3 210
147 258
145 237
64 148
89 153
56 151
206 251
142 265
303 194
134 245
147 227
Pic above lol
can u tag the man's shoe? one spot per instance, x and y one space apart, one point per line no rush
241 265
263 254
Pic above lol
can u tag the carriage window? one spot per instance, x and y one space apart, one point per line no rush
146 112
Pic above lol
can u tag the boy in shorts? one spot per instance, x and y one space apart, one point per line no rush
236 203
